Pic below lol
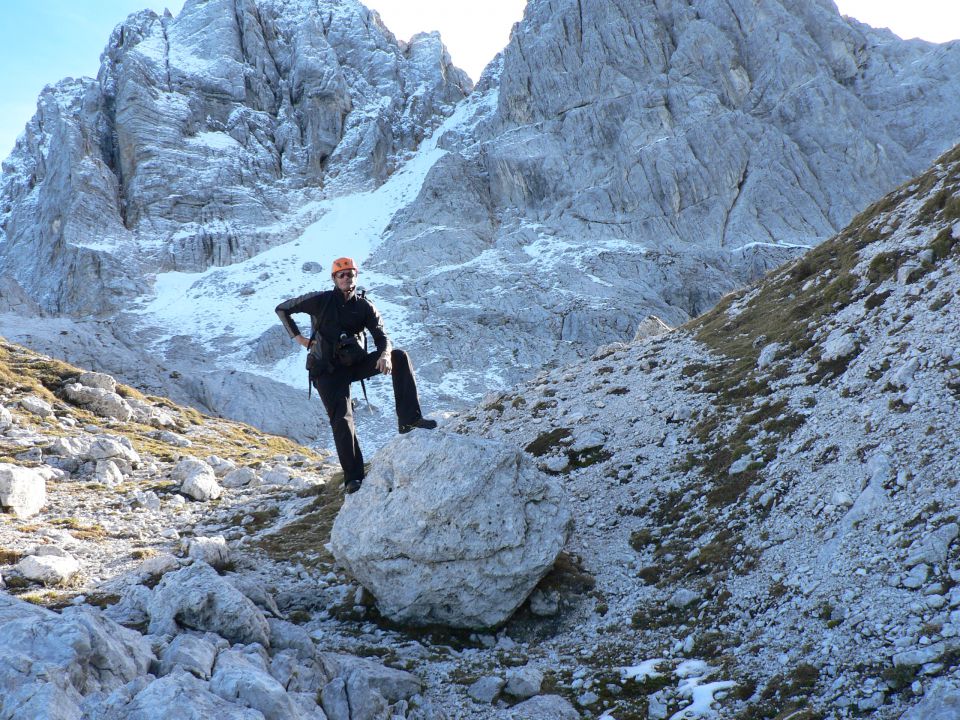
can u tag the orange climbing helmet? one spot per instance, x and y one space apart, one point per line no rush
344 263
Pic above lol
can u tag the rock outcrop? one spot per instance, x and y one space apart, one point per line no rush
49 661
460 544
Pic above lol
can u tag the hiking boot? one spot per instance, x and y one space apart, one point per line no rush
351 486
424 423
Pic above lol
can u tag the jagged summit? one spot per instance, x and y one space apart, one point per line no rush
203 138
652 156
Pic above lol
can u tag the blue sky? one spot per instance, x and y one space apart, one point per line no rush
43 41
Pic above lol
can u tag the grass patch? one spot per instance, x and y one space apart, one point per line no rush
9 557
80 530
547 441
309 532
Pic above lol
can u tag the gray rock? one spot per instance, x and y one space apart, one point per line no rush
767 355
941 701
240 678
255 592
650 328
393 685
107 473
287 636
366 703
211 550
466 551
927 654
49 569
178 695
196 479
682 597
191 653
240 477
543 707
932 549
196 598
23 491
220 466
838 345
98 401
6 418
131 610
486 689
107 447
545 603
37 406
101 381
49 661
333 699
298 674
523 682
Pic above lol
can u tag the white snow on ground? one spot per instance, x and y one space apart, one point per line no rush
646 669
227 308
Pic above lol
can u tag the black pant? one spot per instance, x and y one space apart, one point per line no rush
334 391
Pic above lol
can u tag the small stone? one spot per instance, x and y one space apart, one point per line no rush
587 699
107 473
486 689
196 479
49 569
239 477
37 406
523 682
917 576
545 603
682 597
211 550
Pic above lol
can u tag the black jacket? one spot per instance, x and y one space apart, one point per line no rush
330 314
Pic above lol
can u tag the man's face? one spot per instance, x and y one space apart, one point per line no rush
346 280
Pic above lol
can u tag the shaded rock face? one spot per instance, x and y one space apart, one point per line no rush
203 131
459 545
651 156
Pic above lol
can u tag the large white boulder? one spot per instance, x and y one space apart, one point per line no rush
451 529
23 491
211 550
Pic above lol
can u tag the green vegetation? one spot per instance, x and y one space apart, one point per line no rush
547 441
310 531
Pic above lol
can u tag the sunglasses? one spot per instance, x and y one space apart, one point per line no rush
343 274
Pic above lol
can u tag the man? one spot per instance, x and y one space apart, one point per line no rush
338 318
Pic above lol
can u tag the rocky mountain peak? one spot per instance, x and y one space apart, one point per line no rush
204 136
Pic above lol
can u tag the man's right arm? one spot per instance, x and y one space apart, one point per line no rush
309 303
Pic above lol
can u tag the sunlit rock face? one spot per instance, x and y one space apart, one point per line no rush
646 157
202 136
